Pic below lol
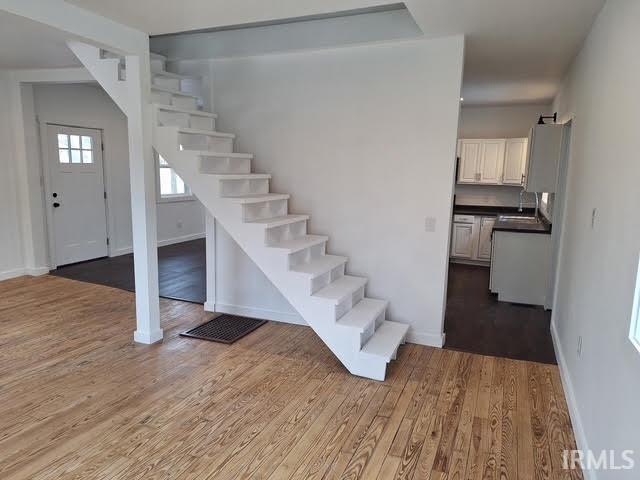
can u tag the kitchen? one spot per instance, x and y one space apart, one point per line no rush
506 223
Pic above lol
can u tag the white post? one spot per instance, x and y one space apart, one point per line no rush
143 202
210 228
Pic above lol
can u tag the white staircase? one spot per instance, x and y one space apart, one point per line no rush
332 303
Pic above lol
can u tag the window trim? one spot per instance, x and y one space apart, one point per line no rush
634 331
174 198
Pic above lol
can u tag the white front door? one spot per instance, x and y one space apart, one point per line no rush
76 198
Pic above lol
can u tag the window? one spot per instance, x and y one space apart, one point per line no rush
75 149
170 183
634 333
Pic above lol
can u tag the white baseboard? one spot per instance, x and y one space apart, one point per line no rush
37 271
19 272
574 413
427 339
161 243
283 317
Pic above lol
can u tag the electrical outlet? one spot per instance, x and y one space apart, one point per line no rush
579 350
430 224
179 224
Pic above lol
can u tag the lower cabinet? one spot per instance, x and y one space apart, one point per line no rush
471 237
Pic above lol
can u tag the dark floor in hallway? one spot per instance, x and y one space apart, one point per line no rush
477 322
181 271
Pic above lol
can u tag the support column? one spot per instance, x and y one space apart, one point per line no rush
143 202
210 229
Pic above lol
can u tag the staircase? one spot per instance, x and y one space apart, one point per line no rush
315 284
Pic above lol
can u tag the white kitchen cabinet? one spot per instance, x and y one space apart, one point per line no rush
543 158
491 161
469 167
515 161
484 241
463 240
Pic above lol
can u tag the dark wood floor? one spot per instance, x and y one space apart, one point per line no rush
181 271
476 322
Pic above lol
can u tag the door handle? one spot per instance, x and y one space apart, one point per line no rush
56 204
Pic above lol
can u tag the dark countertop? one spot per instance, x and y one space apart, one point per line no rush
543 227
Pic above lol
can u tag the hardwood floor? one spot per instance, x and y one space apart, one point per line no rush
476 322
80 400
182 272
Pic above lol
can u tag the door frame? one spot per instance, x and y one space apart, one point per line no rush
47 190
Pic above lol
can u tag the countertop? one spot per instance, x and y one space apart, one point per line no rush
543 227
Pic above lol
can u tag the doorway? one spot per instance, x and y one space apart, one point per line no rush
75 194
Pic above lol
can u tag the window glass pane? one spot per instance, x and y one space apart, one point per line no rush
87 156
180 188
75 141
163 162
86 143
63 141
75 156
165 181
64 156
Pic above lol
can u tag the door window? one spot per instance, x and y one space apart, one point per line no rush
76 149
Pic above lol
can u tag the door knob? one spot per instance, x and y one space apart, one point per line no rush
56 204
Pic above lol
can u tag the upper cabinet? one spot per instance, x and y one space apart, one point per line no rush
492 161
545 145
515 161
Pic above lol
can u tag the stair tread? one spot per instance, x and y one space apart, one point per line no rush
199 113
299 243
241 176
320 265
211 153
172 91
259 198
363 314
278 221
386 339
210 133
166 74
340 288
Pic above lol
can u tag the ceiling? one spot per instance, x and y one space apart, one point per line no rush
517 51
28 44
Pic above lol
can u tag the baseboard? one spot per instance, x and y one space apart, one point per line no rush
37 271
574 413
161 243
427 339
252 312
8 274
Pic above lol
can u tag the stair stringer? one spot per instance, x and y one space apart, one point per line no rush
106 72
319 313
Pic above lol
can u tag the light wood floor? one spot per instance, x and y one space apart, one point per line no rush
79 400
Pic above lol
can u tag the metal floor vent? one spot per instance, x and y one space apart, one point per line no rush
225 328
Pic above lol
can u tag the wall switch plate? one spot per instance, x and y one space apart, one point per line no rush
430 224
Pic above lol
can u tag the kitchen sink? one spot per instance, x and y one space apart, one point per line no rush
517 219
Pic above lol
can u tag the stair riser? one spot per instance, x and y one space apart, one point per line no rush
326 278
262 210
307 255
371 329
179 101
164 82
158 65
346 305
236 188
285 232
190 141
185 120
222 165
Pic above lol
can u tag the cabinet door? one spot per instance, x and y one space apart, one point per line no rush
468 169
462 241
545 146
484 243
491 161
515 159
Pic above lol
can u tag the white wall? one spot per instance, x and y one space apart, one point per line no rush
364 140
598 266
11 256
511 121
